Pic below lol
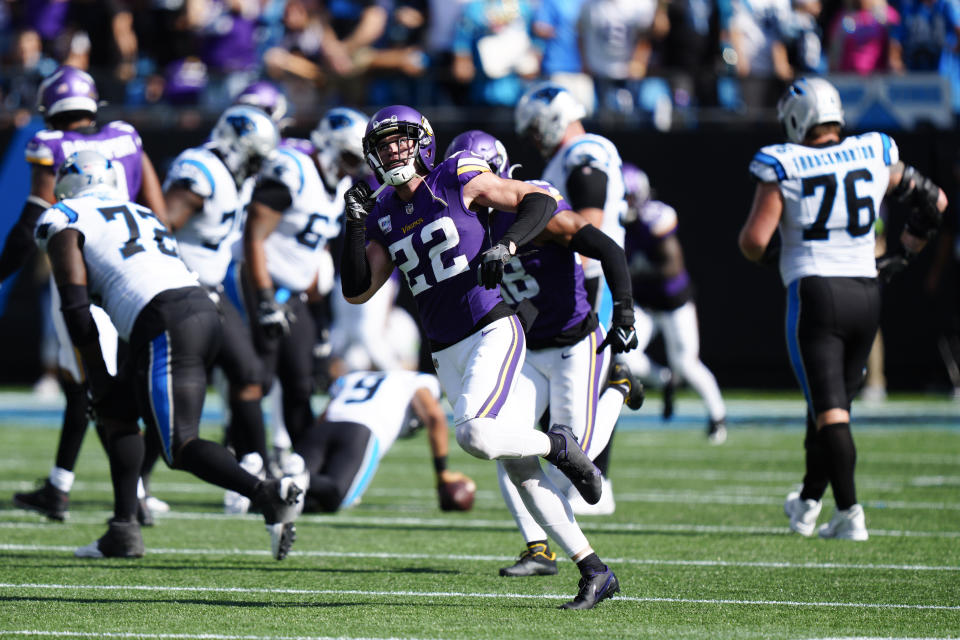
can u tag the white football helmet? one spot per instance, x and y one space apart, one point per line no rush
86 171
338 140
244 136
807 103
544 112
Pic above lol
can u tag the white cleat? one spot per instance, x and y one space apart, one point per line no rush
282 535
156 505
235 504
846 524
295 468
803 514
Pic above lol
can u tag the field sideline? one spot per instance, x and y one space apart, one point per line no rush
698 540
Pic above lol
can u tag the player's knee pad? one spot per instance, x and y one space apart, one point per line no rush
478 437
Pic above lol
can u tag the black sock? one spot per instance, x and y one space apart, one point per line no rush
841 459
151 453
74 425
126 456
212 463
815 480
591 564
246 428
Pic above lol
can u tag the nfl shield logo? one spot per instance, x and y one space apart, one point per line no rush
385 225
409 208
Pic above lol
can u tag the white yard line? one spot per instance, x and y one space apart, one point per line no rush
463 594
170 636
382 555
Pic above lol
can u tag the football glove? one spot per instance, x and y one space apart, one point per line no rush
490 273
622 336
891 264
273 318
357 202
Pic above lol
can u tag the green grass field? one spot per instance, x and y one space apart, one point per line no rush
699 542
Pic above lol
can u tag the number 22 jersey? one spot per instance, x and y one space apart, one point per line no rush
831 199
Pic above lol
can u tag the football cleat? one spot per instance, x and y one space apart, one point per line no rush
536 560
605 507
295 467
802 513
277 501
594 587
144 515
122 540
620 378
846 524
576 465
156 505
717 431
233 502
45 499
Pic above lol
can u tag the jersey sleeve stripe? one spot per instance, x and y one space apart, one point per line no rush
70 213
771 162
206 173
467 168
885 139
42 161
299 167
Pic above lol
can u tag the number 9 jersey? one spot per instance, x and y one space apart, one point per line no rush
129 254
831 199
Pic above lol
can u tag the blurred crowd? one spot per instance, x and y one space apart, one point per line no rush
645 58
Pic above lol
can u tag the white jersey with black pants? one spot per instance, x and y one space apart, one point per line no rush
831 198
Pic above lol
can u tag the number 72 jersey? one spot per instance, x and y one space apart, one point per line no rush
831 199
130 256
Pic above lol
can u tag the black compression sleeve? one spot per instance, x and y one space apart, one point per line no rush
533 214
586 187
593 243
20 244
354 269
75 305
274 194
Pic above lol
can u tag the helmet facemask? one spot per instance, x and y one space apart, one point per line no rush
393 152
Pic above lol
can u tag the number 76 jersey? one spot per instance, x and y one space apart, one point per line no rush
831 199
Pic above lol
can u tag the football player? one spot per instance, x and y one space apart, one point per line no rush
823 191
203 191
295 209
585 169
68 101
367 412
104 247
427 222
663 299
566 358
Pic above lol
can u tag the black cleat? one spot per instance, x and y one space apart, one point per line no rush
717 431
536 560
621 379
144 515
45 499
122 540
276 499
594 588
576 465
669 391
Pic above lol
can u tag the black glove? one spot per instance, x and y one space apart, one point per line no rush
622 336
891 264
357 202
490 273
272 316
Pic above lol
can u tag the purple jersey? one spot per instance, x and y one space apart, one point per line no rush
116 140
550 276
436 242
655 221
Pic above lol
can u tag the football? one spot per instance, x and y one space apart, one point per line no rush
457 495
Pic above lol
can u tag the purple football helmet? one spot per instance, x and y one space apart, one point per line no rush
265 96
417 145
67 89
484 146
637 187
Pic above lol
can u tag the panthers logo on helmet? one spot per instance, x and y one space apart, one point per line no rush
241 124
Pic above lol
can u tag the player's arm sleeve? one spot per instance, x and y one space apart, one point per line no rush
20 244
593 243
533 214
355 275
274 194
587 187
